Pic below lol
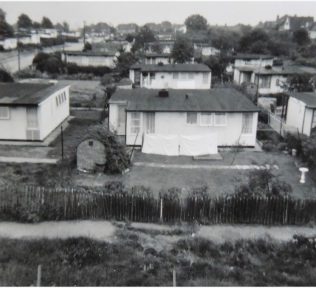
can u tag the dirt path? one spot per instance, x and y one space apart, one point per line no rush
98 230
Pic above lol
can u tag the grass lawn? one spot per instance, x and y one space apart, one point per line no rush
147 258
82 93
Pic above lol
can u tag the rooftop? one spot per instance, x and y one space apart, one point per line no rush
185 100
172 67
285 70
246 56
90 53
156 55
309 98
21 94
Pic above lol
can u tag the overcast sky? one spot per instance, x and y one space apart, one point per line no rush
220 13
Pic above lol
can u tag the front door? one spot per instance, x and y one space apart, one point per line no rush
121 120
149 124
32 131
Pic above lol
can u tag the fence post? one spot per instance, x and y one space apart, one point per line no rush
161 210
39 275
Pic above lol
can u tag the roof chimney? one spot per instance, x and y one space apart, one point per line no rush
163 93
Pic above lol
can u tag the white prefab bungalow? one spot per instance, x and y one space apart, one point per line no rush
156 58
206 49
90 58
30 112
270 80
301 112
183 122
173 76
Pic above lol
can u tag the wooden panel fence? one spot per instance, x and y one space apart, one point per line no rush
39 204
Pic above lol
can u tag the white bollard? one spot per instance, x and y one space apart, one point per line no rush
303 170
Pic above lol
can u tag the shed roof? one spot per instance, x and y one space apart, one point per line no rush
309 98
185 100
21 94
172 67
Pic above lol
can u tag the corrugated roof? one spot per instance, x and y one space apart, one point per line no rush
19 94
309 98
215 100
172 67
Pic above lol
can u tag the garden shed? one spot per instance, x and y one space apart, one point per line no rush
91 155
100 151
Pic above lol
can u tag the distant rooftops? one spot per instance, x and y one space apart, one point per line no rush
172 67
21 94
249 56
184 100
157 55
90 53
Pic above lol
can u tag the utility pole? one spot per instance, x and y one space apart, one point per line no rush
19 52
62 142
84 32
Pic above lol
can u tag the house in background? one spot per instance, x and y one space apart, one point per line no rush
183 121
90 58
30 112
206 49
292 23
301 112
165 45
124 29
156 58
9 43
173 76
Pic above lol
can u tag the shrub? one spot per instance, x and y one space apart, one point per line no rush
294 142
263 117
5 76
73 68
269 147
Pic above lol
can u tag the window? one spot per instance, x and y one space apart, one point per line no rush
206 119
183 76
265 82
4 113
205 78
247 119
191 76
277 82
175 75
135 123
191 118
152 75
220 119
31 118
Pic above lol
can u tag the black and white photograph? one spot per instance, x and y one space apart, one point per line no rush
157 143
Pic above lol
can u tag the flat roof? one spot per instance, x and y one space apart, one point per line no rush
309 98
248 56
185 100
194 67
286 70
26 94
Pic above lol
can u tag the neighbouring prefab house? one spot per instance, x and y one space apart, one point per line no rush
182 121
9 43
91 155
173 76
301 112
30 112
90 58
156 58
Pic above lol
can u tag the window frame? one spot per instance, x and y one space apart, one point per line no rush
197 118
8 113
133 126
225 119
249 115
211 117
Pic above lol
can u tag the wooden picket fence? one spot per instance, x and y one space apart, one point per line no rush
38 203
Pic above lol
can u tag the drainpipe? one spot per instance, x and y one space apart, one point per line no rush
304 119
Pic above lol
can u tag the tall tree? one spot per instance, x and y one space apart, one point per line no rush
124 62
144 36
36 25
66 26
196 22
182 50
46 23
6 30
301 37
24 22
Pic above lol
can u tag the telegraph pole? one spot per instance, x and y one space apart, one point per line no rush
19 52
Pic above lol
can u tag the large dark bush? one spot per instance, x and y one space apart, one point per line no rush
5 76
73 68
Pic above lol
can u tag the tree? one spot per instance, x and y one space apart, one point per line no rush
46 23
144 36
87 47
6 30
182 50
36 25
124 61
130 38
195 23
50 63
301 37
218 65
156 47
5 76
300 83
24 22
66 26
248 41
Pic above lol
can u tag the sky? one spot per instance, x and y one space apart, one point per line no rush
116 12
